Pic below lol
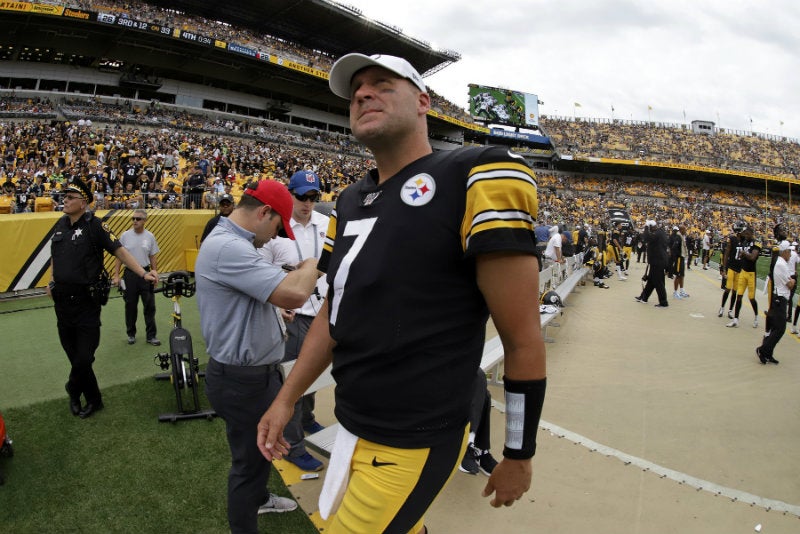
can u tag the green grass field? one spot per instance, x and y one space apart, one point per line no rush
120 470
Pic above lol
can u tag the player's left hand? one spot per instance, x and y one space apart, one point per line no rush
509 481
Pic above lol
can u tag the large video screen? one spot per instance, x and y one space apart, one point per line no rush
503 106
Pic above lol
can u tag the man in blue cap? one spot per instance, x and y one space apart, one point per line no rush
309 227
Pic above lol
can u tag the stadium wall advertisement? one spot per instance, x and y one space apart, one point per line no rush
299 67
684 166
26 241
520 136
458 122
29 7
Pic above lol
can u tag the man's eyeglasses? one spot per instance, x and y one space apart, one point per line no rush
307 198
137 218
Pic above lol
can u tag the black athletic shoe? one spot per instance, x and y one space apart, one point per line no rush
469 464
486 463
763 359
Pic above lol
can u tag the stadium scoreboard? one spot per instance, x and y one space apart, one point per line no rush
503 106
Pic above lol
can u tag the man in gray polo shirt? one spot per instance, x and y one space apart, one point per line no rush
238 295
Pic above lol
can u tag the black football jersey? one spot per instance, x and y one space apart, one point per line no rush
748 246
404 306
734 261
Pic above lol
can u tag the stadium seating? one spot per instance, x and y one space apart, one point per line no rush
44 204
6 203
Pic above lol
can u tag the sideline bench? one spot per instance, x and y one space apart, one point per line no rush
563 278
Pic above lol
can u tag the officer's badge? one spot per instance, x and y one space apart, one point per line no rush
109 232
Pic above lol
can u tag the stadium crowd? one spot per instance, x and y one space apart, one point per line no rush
263 43
145 147
577 199
669 143
152 165
151 160
672 143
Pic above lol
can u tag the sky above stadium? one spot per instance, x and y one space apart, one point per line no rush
733 62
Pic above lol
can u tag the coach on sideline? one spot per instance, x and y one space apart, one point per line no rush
783 285
238 293
421 232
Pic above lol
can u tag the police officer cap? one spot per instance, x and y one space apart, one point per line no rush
226 198
79 186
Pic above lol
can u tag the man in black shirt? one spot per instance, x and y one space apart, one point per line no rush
225 208
657 258
130 172
193 189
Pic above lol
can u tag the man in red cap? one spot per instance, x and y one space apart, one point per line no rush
79 239
239 294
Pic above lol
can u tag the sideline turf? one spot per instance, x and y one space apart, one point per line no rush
35 368
120 470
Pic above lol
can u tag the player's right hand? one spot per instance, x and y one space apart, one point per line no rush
270 438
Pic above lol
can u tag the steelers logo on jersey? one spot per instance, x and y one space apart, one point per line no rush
418 190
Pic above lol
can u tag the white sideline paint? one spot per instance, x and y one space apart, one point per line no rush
681 478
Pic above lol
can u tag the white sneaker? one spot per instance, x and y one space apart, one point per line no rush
733 324
755 322
623 278
721 311
683 293
795 330
275 504
677 296
730 314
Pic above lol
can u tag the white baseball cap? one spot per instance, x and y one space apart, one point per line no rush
345 68
784 246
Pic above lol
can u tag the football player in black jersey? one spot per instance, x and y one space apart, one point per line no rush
418 254
602 245
615 249
730 266
628 239
747 251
